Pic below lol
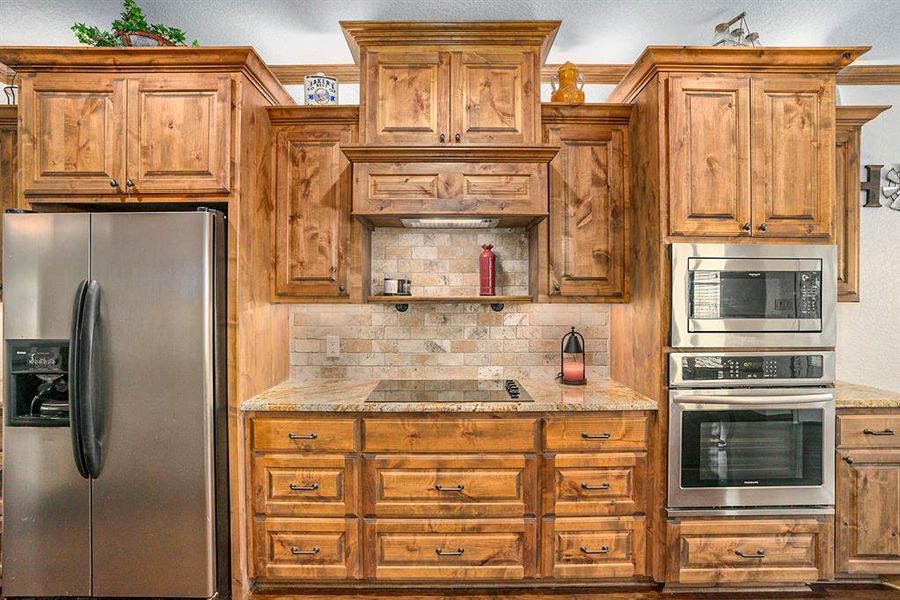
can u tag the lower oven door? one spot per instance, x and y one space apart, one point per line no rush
751 447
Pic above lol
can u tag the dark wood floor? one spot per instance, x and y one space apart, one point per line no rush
829 592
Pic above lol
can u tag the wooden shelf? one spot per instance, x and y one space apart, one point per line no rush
448 299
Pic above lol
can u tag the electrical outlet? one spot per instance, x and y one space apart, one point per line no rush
332 346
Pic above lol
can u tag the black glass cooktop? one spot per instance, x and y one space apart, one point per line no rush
449 390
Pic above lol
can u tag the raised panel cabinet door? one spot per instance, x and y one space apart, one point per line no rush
312 212
709 154
406 97
588 200
179 133
495 97
846 211
72 134
792 160
868 512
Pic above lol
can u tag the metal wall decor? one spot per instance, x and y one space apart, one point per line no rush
892 190
740 36
10 90
872 186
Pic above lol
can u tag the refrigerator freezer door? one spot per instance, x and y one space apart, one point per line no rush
153 500
47 505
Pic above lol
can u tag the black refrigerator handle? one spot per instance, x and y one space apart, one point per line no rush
75 379
89 380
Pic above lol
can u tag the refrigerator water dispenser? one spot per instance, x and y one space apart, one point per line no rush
38 391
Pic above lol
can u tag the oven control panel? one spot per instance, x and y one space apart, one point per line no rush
752 366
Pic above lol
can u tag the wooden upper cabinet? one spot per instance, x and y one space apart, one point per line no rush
407 97
179 133
9 167
495 97
313 228
73 133
588 252
709 154
793 156
435 83
850 120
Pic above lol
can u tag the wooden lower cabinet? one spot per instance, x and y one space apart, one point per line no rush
595 484
304 485
415 549
305 549
593 548
749 551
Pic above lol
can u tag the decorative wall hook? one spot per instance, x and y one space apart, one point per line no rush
872 186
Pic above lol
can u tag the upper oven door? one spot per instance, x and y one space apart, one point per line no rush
752 295
751 447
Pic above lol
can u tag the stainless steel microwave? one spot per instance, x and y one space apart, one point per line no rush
743 295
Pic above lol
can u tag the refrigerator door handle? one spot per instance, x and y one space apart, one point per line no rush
75 379
89 379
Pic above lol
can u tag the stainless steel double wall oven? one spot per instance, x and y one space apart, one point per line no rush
751 377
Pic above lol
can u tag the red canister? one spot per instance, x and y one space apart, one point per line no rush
486 264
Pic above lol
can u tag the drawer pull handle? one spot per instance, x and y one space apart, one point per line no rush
758 554
595 436
298 552
302 436
304 488
442 552
455 488
590 486
882 432
602 550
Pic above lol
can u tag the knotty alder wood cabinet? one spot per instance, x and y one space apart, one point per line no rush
868 492
9 158
419 498
470 83
748 138
111 134
850 120
588 230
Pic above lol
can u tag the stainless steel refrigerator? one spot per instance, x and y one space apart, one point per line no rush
115 478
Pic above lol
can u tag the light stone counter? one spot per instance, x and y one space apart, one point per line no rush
348 395
851 395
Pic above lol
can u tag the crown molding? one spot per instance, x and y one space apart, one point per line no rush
306 114
858 115
586 114
9 116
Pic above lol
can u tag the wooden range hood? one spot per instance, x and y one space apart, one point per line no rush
394 183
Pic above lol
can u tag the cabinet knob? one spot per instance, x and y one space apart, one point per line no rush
556 287
342 289
746 226
457 137
763 227
442 138
129 183
113 183
848 460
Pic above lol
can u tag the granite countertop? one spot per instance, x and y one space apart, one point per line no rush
349 395
851 395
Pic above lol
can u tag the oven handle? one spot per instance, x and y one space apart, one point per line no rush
777 399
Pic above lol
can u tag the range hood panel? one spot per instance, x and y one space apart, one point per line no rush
507 184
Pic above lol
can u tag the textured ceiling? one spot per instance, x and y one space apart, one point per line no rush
593 31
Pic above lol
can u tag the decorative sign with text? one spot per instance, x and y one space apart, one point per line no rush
320 89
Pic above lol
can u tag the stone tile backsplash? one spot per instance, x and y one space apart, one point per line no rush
434 341
444 262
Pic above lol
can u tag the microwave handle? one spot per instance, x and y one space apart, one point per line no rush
779 399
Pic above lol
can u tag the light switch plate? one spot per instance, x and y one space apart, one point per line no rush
332 346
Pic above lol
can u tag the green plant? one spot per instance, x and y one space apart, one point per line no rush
132 19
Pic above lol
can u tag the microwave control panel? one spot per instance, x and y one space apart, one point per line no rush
721 368
810 295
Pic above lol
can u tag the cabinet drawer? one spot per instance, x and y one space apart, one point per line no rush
304 485
601 433
302 549
450 435
594 548
303 435
595 484
420 486
451 549
706 551
869 431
